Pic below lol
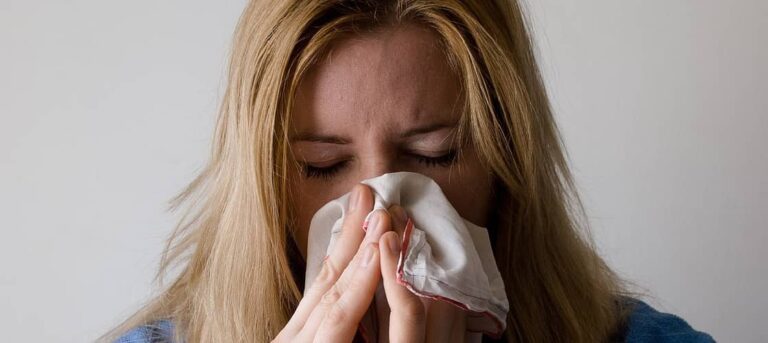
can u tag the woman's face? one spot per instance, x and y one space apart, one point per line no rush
380 103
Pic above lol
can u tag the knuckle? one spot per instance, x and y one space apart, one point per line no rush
337 314
329 273
331 296
325 279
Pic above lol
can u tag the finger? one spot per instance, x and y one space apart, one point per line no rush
399 218
407 317
379 223
352 233
359 205
378 312
341 319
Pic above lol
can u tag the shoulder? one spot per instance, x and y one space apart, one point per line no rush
646 324
160 331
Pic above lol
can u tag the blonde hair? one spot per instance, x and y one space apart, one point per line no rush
235 282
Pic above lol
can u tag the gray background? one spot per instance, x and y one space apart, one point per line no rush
107 108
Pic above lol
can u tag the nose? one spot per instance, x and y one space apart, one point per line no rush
377 163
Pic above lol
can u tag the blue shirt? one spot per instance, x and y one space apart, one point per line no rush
645 324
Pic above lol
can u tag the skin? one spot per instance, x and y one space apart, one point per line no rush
381 102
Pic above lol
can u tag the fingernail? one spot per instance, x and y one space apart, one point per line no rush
372 224
394 245
354 198
368 254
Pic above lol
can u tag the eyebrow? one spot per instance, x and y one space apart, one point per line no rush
427 129
315 138
310 137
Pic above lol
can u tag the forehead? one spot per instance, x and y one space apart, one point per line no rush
391 80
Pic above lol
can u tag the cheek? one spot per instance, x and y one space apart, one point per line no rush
468 188
307 196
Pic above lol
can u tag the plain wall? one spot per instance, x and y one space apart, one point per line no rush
107 111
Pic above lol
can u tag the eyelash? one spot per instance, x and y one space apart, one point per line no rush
444 161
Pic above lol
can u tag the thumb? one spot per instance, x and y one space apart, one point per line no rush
408 317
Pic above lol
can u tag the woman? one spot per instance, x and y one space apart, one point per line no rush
323 94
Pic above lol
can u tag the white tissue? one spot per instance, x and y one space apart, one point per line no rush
444 257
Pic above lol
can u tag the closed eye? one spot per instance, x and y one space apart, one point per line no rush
326 173
323 172
445 160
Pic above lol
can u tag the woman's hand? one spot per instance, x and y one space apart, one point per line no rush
333 306
412 318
